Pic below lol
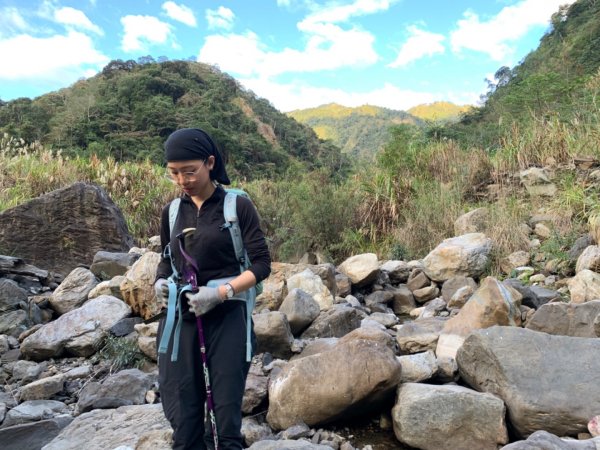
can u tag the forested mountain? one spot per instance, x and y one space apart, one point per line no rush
129 109
439 111
360 131
549 83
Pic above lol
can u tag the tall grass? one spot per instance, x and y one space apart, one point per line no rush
139 189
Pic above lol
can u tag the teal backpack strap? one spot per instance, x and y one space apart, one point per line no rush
174 301
173 211
232 223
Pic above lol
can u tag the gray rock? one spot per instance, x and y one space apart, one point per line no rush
404 301
452 285
77 332
343 284
361 269
336 322
418 367
255 392
529 297
547 382
127 387
420 335
312 284
11 294
33 435
398 271
579 246
33 411
358 374
567 319
457 418
73 291
4 345
26 371
107 265
387 320
125 326
300 309
103 429
273 334
252 431
465 255
65 228
417 280
13 323
287 444
43 388
542 440
378 298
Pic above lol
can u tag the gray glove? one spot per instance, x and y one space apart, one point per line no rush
161 289
204 300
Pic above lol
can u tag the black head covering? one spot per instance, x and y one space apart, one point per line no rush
193 143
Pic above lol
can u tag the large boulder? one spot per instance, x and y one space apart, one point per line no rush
336 322
73 291
273 334
537 182
465 255
11 294
64 228
107 265
567 319
356 375
448 417
584 286
127 387
77 332
361 269
137 288
124 427
474 221
33 435
492 304
542 440
547 382
300 309
420 335
312 284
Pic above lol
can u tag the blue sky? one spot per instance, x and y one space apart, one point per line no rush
295 53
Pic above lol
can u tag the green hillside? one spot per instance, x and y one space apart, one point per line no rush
439 111
361 131
549 82
127 111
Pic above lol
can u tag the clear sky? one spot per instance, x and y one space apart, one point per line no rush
295 53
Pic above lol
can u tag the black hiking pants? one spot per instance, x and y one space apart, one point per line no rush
181 383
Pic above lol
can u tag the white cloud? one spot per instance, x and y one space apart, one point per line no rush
328 48
143 30
341 13
181 13
420 43
220 18
59 58
493 36
283 2
287 97
75 18
11 21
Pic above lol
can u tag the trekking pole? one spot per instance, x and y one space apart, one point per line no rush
189 276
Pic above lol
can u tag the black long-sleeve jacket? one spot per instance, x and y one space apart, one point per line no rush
211 244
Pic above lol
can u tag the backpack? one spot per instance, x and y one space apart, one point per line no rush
231 223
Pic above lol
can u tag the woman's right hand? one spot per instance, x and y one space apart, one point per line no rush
161 289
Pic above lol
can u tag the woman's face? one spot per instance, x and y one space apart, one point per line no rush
191 176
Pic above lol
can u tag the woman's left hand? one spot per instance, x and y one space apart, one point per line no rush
204 300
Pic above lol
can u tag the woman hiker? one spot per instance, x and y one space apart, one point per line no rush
195 165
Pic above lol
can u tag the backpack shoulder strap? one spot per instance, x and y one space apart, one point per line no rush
173 211
231 219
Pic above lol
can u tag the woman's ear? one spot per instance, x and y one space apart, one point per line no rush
210 162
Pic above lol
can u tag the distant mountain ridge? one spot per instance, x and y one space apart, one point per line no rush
439 111
359 132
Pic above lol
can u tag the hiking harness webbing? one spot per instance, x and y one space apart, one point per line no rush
177 294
